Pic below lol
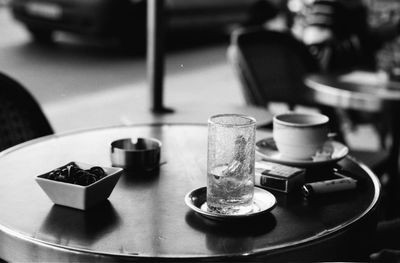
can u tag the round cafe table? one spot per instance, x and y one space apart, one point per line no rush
145 218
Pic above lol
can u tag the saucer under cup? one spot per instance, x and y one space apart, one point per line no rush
300 135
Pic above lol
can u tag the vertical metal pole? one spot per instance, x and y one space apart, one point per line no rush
155 53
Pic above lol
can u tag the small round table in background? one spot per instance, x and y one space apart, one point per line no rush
369 92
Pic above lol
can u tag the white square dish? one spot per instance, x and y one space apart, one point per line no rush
79 196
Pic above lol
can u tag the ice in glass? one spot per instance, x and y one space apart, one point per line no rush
230 164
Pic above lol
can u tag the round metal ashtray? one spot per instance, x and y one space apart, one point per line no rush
143 155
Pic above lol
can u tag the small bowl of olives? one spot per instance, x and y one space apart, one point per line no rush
79 185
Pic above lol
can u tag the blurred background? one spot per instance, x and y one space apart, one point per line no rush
85 61
81 58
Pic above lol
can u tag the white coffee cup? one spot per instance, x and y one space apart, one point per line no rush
300 135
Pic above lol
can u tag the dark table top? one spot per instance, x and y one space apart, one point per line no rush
145 217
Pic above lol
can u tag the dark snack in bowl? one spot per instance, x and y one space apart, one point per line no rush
73 174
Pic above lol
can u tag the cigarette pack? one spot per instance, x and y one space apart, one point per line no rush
278 177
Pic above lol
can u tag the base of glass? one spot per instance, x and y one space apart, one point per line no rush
229 210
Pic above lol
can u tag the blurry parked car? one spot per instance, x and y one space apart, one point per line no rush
126 19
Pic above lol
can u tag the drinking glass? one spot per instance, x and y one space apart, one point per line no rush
230 163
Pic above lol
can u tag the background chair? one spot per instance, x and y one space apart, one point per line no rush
272 65
21 118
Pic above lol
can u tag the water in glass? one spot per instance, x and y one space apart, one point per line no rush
231 156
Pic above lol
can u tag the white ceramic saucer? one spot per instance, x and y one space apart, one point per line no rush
263 202
332 152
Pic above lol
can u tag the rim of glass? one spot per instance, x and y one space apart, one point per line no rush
252 120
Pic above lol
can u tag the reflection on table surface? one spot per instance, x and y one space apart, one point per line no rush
360 90
146 217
